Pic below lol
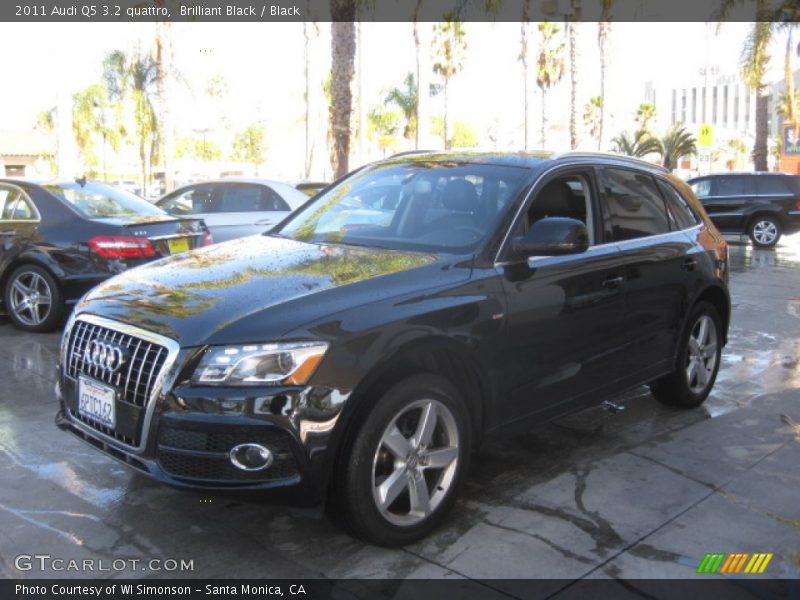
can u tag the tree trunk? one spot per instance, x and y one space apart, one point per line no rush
307 102
544 120
446 109
143 160
343 50
791 116
524 58
603 28
573 91
361 104
164 58
760 145
422 44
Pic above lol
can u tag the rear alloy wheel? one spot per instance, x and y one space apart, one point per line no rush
33 299
765 232
698 360
406 462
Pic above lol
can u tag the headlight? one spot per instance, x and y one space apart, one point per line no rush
260 364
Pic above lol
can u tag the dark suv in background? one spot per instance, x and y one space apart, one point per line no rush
763 206
363 348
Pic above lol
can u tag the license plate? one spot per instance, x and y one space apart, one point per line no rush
178 245
97 402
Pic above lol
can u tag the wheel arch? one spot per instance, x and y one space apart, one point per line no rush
438 355
764 211
720 299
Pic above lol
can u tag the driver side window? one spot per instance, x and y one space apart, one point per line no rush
565 196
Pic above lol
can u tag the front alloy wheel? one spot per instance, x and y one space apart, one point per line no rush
33 299
765 232
404 461
415 462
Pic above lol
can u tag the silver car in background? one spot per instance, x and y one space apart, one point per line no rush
234 207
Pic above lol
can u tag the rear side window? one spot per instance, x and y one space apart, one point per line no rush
773 186
701 188
193 201
733 185
14 206
632 207
680 214
98 201
243 197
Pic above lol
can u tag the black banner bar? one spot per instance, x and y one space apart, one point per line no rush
401 589
131 11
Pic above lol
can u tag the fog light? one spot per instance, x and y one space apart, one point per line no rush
250 457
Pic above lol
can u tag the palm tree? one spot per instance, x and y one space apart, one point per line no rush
676 144
163 73
406 99
143 77
755 58
93 115
450 48
603 29
573 86
789 102
737 148
644 114
640 145
549 66
343 52
131 80
383 126
592 112
422 116
523 58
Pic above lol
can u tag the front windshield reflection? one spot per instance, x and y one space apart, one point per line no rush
428 205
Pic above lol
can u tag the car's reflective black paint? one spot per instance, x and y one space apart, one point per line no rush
524 339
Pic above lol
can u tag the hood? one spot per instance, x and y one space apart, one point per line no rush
250 286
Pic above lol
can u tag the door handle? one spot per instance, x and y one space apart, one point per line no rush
689 264
612 283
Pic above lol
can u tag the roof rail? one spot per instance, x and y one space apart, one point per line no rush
410 152
620 157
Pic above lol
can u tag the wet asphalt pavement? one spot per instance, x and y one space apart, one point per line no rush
638 494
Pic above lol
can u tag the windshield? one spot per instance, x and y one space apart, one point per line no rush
433 206
97 200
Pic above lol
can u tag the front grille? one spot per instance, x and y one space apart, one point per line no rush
134 381
202 455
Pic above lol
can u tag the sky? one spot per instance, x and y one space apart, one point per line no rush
263 66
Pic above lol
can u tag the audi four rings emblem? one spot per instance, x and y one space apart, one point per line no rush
103 356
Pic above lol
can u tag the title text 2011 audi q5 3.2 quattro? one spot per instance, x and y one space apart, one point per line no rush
359 351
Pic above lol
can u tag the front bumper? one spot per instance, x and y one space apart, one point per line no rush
195 455
182 436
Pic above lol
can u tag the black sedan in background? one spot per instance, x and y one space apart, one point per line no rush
61 238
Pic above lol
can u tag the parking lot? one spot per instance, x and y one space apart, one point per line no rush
643 493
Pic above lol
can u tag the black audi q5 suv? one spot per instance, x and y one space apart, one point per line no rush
358 352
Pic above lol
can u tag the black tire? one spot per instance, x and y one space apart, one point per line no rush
765 231
366 460
677 389
39 317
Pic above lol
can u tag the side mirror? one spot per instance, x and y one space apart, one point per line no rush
552 236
